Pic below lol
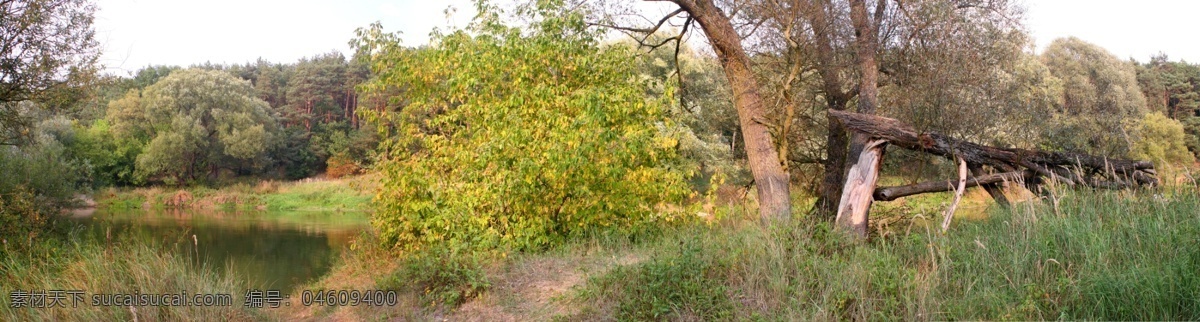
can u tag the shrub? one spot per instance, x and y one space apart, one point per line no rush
514 139
21 220
1160 139
441 276
340 166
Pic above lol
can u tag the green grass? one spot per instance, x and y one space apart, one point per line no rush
125 267
347 194
1087 255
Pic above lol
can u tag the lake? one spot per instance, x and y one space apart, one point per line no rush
272 250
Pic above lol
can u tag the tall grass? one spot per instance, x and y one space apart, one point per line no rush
1080 255
125 267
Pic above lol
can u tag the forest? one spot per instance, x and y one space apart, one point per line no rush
588 160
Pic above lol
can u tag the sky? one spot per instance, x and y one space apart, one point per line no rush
139 33
1137 29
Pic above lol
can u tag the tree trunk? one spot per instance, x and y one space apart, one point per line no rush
958 193
866 42
860 188
837 139
836 142
770 179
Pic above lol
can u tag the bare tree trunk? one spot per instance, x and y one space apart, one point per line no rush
860 188
770 179
958 193
866 33
836 98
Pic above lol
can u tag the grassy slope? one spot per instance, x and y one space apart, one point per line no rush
1082 255
1105 255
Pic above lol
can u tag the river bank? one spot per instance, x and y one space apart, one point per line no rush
314 194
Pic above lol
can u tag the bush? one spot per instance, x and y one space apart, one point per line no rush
340 166
515 139
442 277
1160 139
21 220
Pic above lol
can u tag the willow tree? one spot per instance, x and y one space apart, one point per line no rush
511 138
1100 94
196 121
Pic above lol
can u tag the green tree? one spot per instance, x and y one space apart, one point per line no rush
1100 92
1160 139
46 49
1173 88
1170 87
194 121
516 138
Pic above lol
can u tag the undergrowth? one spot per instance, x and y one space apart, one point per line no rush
1077 255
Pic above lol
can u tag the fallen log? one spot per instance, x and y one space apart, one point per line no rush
1067 167
1031 167
893 193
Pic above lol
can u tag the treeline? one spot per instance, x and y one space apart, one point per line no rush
208 122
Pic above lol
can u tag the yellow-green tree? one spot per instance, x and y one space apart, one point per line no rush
510 138
1158 138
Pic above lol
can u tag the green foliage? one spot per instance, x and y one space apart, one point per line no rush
111 159
293 154
514 138
21 219
45 170
194 120
1160 139
1172 88
1100 92
48 52
442 277
704 119
684 284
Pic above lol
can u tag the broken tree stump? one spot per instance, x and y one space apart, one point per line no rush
860 187
1030 167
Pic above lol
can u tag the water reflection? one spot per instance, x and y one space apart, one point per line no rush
271 250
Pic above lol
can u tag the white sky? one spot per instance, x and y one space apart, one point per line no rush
138 33
1136 29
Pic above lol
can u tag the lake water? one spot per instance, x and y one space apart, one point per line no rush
275 251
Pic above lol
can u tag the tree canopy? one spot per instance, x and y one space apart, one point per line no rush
46 46
194 121
517 138
1100 91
